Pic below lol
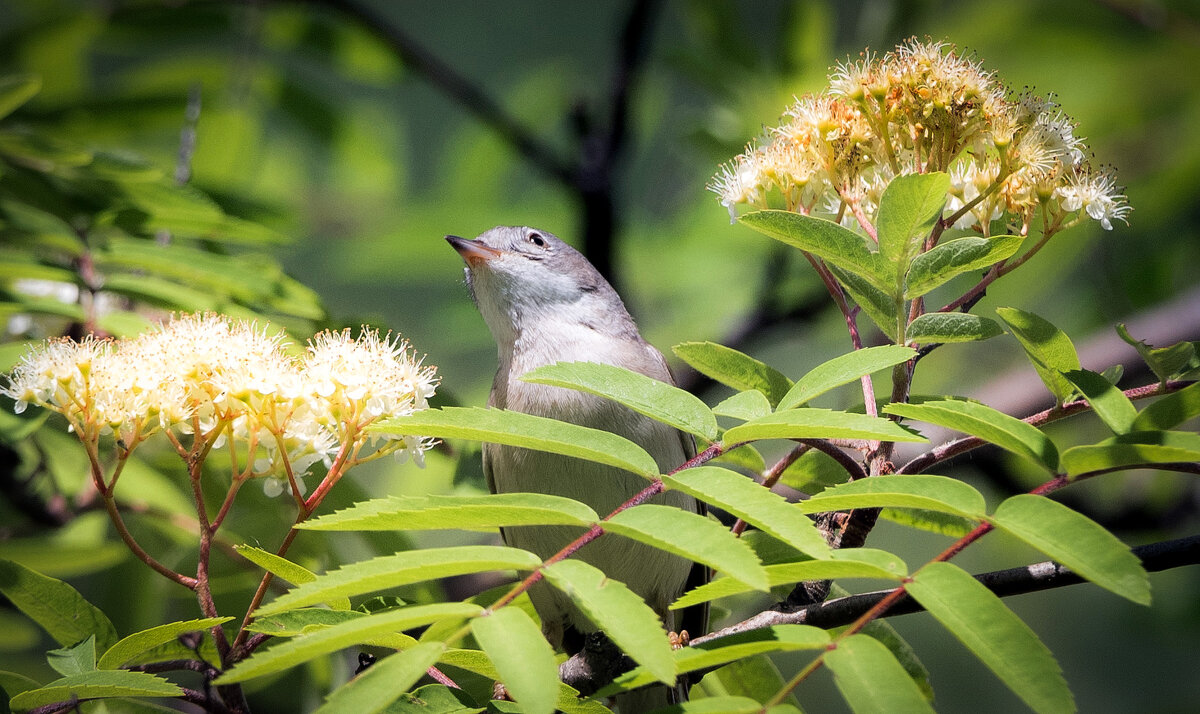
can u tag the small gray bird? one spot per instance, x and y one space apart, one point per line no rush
544 303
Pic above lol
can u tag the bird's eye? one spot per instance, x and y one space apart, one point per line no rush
537 239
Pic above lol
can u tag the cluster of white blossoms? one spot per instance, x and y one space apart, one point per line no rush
217 378
918 109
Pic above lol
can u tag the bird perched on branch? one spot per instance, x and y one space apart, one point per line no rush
544 303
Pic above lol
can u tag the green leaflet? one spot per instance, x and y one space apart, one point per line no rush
879 305
908 208
500 426
289 653
843 370
468 512
1004 643
139 642
625 618
522 657
947 260
751 502
745 405
1165 362
391 571
992 425
56 606
950 327
96 684
871 678
714 653
645 395
810 423
1109 403
825 239
734 369
286 570
1133 449
1048 348
933 493
383 682
1170 411
1077 542
691 536
74 660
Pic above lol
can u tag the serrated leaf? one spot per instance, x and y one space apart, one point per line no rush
951 327
1165 362
871 679
391 571
947 260
622 615
76 659
691 536
286 570
810 423
435 699
745 405
94 685
908 208
879 305
289 653
931 521
1170 411
56 606
1004 643
751 502
745 457
499 426
645 395
296 622
929 492
756 677
887 635
1132 450
842 370
991 425
1048 348
468 512
1109 403
13 683
848 563
522 656
734 369
813 472
714 653
823 238
1076 541
16 89
383 682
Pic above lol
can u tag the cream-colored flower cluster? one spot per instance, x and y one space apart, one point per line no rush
217 379
918 109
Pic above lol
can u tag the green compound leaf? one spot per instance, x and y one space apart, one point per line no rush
55 606
871 678
1048 348
908 209
1132 450
499 426
843 370
1170 411
619 612
952 258
926 491
714 653
95 685
810 423
289 653
1109 403
1076 541
849 563
734 369
692 536
752 503
992 425
522 657
137 643
879 305
383 682
285 570
391 571
826 240
468 512
645 395
1004 643
950 327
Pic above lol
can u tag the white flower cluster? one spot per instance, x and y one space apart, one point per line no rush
217 378
918 109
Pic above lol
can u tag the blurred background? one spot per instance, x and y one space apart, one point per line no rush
363 132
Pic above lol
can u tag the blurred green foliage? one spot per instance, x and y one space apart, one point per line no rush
312 126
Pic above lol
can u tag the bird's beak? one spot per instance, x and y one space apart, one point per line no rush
472 251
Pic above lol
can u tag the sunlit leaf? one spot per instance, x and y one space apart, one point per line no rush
139 642
56 606
97 684
745 405
843 370
1133 450
991 425
286 570
734 369
825 239
908 208
1170 411
1048 348
950 327
871 678
929 492
522 656
467 512
877 304
383 682
76 659
1109 403
946 260
1165 362
810 423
